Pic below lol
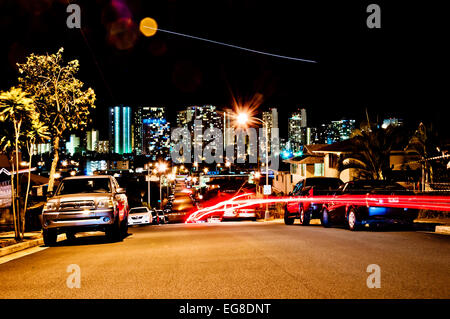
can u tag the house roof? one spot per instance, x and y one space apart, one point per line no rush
311 160
345 146
310 148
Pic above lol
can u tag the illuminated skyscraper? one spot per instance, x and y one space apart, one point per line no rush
297 130
92 138
392 121
271 118
154 133
120 129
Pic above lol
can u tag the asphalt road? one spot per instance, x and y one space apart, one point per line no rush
236 260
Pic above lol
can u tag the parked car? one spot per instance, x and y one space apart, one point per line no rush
155 216
140 216
312 186
357 216
162 217
86 203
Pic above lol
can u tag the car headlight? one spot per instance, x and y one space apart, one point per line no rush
105 203
51 205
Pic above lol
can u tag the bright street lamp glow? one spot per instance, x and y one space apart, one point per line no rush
162 167
242 118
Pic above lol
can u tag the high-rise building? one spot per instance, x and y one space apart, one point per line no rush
392 121
155 133
271 118
102 147
344 128
92 138
151 132
296 130
73 144
190 117
120 129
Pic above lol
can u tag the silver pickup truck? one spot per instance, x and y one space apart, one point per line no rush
86 203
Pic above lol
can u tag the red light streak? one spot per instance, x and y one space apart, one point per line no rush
430 202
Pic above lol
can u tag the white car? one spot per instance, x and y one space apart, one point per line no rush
140 216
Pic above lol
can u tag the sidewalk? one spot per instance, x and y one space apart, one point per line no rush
9 245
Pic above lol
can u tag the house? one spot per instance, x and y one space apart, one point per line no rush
281 183
323 160
308 165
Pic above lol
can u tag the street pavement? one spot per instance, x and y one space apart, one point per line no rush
236 260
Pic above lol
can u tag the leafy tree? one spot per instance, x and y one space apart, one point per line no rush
62 102
371 149
21 126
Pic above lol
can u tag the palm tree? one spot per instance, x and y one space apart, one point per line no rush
371 149
424 142
22 127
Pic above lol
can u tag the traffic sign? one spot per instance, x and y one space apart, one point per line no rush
267 189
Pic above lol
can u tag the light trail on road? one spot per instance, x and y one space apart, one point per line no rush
429 202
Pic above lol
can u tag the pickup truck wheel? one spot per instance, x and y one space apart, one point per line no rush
304 217
50 236
70 236
113 232
287 220
124 228
325 218
352 221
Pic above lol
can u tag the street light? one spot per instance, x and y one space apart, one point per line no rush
162 167
243 118
148 185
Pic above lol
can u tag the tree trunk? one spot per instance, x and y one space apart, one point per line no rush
18 210
30 153
51 181
13 199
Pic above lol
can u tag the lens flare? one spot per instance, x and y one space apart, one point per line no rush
148 27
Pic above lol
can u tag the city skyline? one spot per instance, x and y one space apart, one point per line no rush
165 70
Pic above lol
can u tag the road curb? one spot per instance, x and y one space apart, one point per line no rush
21 246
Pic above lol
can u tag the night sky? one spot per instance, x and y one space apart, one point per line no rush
398 70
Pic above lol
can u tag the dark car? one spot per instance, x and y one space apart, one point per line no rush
182 207
162 217
155 217
357 216
311 186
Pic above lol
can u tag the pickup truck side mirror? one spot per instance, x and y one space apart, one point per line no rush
49 194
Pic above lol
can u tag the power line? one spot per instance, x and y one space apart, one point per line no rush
232 45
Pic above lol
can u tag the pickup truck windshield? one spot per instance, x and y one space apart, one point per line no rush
84 185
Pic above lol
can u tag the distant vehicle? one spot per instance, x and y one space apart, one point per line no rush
232 212
162 217
139 216
86 203
215 219
155 216
355 216
305 211
182 206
